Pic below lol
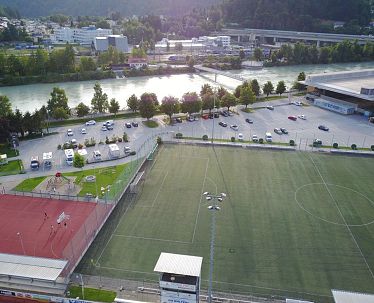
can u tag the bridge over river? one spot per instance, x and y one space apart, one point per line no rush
219 72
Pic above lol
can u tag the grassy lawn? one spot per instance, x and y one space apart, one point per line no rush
12 168
5 149
150 123
92 294
271 98
281 230
247 110
104 176
29 184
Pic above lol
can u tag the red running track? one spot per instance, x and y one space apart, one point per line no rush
26 216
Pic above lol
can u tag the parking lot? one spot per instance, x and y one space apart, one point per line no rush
344 130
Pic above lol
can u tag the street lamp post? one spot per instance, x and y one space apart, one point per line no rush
20 238
214 207
82 284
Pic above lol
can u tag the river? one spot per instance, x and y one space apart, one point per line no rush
31 97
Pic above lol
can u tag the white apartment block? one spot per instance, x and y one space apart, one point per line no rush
84 35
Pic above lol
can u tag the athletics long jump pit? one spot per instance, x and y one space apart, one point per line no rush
49 228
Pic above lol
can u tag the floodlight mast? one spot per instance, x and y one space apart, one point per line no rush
214 208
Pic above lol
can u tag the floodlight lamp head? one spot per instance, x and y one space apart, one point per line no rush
206 193
223 195
219 199
210 207
217 208
208 198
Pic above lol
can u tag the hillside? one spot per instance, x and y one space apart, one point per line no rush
37 8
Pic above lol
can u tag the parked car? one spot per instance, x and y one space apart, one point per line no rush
205 116
224 113
70 132
234 127
134 124
74 143
285 131
127 150
249 121
178 120
211 116
270 107
128 125
293 118
97 155
109 127
103 128
240 137
302 117
34 163
223 124
297 103
323 127
254 138
83 131
190 119
278 131
91 122
216 115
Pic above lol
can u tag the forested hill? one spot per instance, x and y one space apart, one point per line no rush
308 15
35 8
6 11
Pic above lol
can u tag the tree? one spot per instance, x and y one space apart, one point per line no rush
191 103
87 64
255 87
58 101
209 101
99 101
178 47
247 96
257 54
268 88
78 160
297 85
206 89
170 106
5 106
113 106
229 100
133 103
147 105
281 88
82 109
241 54
191 62
221 91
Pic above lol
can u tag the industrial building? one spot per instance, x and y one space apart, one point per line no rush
85 35
119 42
345 92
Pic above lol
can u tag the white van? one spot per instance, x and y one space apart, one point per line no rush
113 150
268 137
69 154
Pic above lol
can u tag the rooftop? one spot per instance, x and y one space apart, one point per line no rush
179 264
348 83
341 296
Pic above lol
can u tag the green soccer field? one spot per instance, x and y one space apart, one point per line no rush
293 224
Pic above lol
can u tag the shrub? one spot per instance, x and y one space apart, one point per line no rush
232 139
101 142
80 146
59 146
372 147
261 141
205 137
125 137
354 146
78 160
90 142
179 135
159 140
335 145
67 146
292 143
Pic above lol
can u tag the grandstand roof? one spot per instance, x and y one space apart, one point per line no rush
341 296
31 267
179 264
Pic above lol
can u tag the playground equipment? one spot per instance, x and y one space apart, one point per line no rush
59 180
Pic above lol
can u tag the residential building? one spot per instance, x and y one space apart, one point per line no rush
85 35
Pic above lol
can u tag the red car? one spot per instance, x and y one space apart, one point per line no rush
293 118
205 116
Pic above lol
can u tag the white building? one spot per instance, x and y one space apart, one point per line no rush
219 41
195 44
119 42
84 35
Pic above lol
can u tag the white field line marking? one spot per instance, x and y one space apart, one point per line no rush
345 222
201 198
152 239
134 271
159 190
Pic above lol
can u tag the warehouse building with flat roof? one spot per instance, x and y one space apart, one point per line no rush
345 92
